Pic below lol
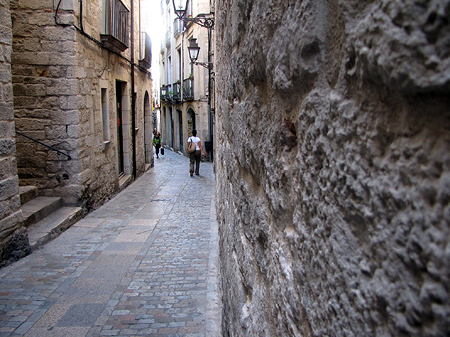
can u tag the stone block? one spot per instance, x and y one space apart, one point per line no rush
72 131
4 129
56 132
64 117
8 92
9 187
29 89
31 124
25 102
5 168
5 35
49 102
5 16
7 147
4 209
5 73
30 4
9 224
14 202
34 162
68 102
40 18
23 70
63 87
7 109
35 58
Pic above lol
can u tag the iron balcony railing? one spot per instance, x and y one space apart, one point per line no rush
188 89
168 39
166 93
177 91
177 24
172 93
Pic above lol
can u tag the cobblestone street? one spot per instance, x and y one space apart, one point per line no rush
143 264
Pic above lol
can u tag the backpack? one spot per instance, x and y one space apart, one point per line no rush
191 146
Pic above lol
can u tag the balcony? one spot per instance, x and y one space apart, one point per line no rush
177 25
177 91
168 39
145 57
166 93
188 89
116 26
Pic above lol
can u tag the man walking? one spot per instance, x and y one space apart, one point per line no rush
196 155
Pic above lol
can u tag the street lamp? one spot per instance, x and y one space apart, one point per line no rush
193 50
180 8
205 20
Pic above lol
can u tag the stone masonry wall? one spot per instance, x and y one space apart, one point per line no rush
45 97
99 69
13 239
58 75
333 167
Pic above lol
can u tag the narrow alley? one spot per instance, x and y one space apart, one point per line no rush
143 264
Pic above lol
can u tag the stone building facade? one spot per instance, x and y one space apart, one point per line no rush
75 77
12 235
186 102
77 67
333 167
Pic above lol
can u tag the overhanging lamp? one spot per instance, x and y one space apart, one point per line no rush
180 7
193 50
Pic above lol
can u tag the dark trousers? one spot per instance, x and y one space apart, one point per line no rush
157 150
195 157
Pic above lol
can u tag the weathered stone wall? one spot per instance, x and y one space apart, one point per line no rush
333 167
98 68
45 97
59 73
13 240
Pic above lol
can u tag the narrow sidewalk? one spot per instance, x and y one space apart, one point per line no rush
143 264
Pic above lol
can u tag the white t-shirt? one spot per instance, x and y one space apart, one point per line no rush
196 140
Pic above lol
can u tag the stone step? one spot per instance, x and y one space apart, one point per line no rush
53 225
37 209
27 193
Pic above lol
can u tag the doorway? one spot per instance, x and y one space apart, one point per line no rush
191 121
180 129
120 157
148 133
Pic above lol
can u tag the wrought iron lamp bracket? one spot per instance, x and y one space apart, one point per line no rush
201 20
208 65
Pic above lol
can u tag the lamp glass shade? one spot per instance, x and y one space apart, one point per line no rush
193 52
180 6
163 90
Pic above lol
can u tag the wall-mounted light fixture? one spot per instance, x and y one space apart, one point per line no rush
180 7
193 50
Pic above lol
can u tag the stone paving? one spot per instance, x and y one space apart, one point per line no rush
144 264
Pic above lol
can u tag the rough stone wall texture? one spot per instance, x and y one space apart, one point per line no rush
333 167
13 240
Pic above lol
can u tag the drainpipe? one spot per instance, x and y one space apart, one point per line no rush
133 96
81 15
210 121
